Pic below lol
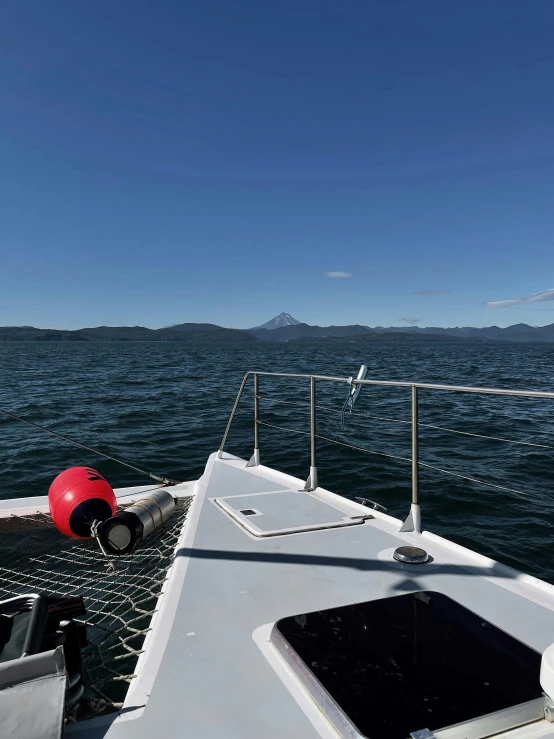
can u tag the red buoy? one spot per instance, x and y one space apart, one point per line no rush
77 497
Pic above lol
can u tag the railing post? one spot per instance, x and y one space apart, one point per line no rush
311 482
231 417
415 447
413 522
255 458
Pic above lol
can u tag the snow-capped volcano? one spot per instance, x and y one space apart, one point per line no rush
283 319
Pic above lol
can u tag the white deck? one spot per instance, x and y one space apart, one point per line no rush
209 671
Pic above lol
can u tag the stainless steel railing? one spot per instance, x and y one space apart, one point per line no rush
413 521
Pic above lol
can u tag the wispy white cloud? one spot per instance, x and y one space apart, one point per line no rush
430 292
536 298
338 274
411 321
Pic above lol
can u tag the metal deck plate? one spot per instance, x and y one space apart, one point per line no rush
288 512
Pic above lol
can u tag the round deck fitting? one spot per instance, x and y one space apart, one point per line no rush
410 555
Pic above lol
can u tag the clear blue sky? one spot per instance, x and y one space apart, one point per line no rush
171 161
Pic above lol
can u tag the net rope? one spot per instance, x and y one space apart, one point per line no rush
120 593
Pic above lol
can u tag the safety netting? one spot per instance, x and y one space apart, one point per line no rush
120 593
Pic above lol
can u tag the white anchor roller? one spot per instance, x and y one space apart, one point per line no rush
121 533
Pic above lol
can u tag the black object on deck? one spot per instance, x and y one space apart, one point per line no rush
410 662
34 623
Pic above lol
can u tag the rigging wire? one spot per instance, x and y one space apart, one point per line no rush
355 413
474 479
306 408
336 441
402 459
483 436
164 480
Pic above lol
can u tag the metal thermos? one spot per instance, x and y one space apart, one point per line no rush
123 532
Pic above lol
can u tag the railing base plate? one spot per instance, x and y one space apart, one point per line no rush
311 482
254 460
413 522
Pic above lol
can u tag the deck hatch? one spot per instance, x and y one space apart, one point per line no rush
285 512
388 668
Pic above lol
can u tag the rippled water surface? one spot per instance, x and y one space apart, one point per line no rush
165 406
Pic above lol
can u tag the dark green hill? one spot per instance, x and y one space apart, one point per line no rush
216 335
304 331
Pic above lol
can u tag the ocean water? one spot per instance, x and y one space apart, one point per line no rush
165 406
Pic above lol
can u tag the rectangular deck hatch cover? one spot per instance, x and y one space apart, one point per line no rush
286 512
398 665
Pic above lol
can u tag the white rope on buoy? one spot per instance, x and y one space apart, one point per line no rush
94 531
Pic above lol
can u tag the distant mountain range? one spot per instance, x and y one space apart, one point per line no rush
286 328
282 328
197 333
304 331
517 332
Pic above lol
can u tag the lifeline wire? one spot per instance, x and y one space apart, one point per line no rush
407 421
164 480
402 459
